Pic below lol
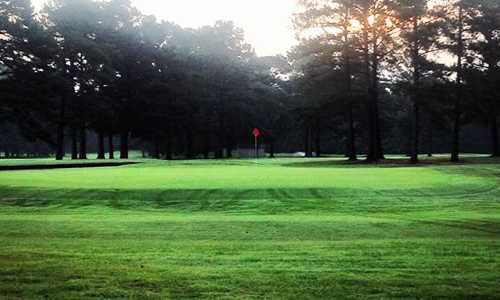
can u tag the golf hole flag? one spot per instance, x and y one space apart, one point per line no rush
256 132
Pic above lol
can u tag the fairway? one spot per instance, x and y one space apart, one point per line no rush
243 229
312 149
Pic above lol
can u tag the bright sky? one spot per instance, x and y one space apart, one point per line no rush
267 23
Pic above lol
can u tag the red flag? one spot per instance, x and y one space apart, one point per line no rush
256 132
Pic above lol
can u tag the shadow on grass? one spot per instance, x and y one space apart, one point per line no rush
250 200
64 166
390 163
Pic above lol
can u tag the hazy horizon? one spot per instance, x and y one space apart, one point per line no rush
267 24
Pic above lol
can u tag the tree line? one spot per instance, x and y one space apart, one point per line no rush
370 75
440 59
103 66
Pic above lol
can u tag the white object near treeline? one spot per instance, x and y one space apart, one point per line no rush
249 153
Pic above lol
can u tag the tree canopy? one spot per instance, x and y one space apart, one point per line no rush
368 76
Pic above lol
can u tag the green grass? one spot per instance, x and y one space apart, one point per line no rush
285 228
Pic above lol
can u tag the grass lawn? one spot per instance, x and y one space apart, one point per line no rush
284 228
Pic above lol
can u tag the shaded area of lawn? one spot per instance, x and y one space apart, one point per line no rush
67 165
394 161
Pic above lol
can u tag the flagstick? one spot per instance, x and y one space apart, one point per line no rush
256 147
256 134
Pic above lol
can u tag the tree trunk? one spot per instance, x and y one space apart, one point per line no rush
229 148
156 148
100 145
124 145
379 151
168 144
60 129
351 139
351 147
378 131
430 141
219 151
60 142
74 144
168 147
189 144
317 140
455 152
495 150
206 145
83 144
371 155
111 147
271 148
372 67
307 141
416 92
415 133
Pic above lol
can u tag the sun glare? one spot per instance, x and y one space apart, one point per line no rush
371 20
355 25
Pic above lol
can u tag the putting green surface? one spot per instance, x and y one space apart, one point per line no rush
286 228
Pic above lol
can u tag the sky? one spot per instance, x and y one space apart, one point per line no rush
267 23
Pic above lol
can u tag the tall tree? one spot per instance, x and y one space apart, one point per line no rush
28 75
377 32
336 45
456 16
418 32
485 28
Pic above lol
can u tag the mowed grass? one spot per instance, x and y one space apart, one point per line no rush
285 228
